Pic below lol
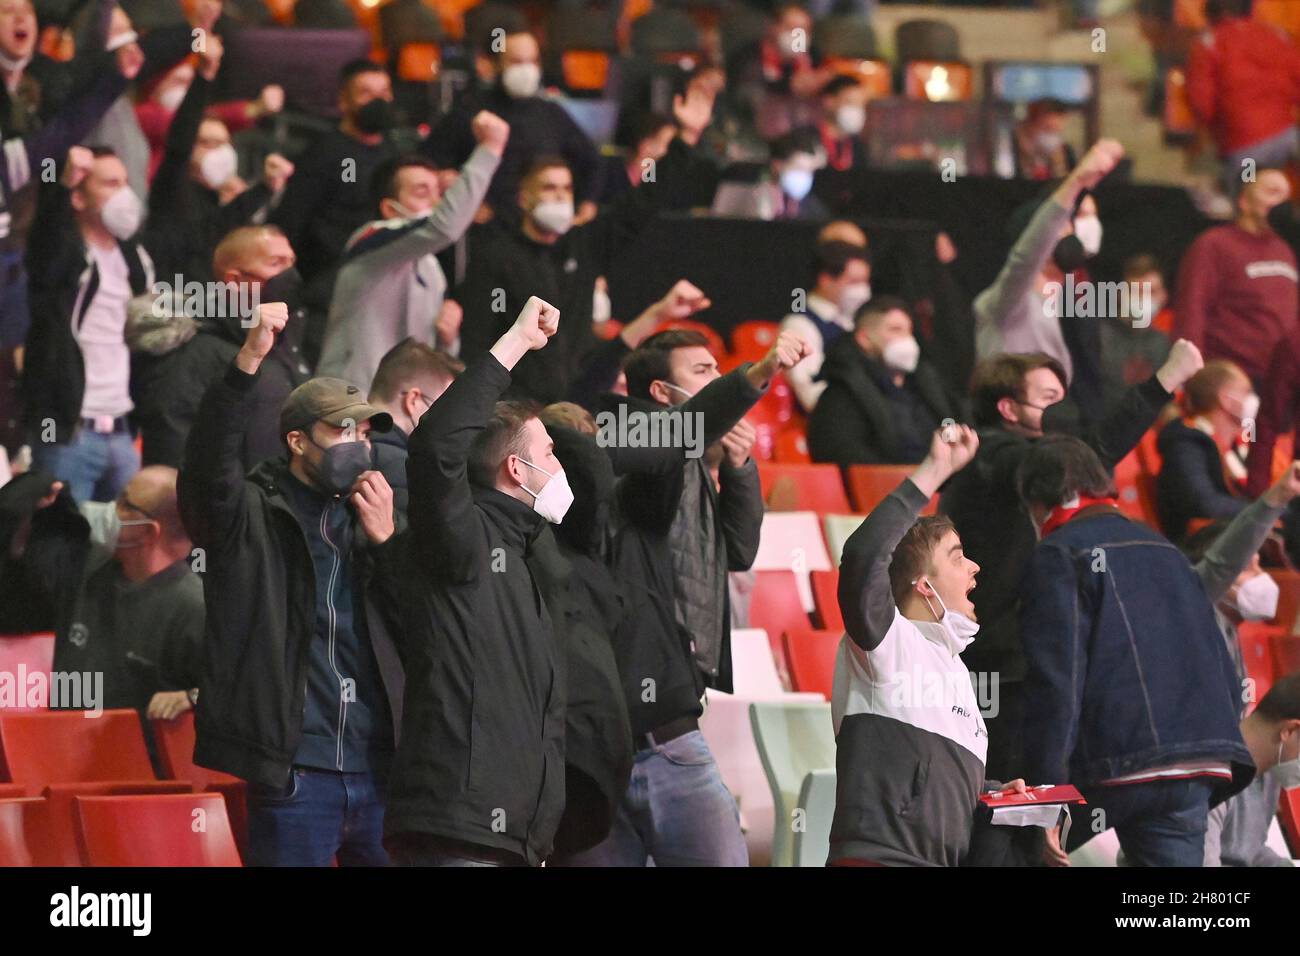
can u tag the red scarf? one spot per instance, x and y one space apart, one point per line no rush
1061 514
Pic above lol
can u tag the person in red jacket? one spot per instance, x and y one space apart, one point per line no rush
1243 84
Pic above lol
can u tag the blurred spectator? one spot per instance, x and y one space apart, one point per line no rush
780 76
390 285
647 143
1279 408
1237 294
538 127
1133 346
843 118
1041 149
841 230
1115 652
1201 473
882 404
783 189
1243 84
842 285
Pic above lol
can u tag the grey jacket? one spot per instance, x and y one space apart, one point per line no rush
390 285
1011 314
1236 831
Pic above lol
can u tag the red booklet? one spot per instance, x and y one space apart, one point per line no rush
1046 794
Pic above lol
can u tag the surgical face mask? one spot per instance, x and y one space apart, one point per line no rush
601 310
1088 229
122 213
785 42
854 297
1249 406
218 165
1257 598
553 501
1287 772
521 80
851 118
1048 140
901 354
554 215
170 98
340 465
405 213
678 388
121 545
959 629
796 183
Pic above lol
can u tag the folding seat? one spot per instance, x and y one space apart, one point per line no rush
792 541
753 667
928 54
175 742
812 842
750 341
839 528
802 487
716 345
64 848
1286 653
23 832
793 738
775 605
869 485
68 746
826 600
1288 815
1288 599
176 829
811 657
1256 639
584 42
27 654
791 447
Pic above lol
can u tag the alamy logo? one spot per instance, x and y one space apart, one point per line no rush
74 908
633 428
206 300
63 690
1093 300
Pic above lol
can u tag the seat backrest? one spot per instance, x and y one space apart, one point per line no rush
926 40
24 832
65 848
1286 653
753 668
810 656
28 654
1288 815
812 842
67 746
776 605
810 487
847 36
1288 599
727 729
869 485
826 599
665 31
839 528
792 541
1256 639
791 447
793 738
177 829
717 345
175 741
750 341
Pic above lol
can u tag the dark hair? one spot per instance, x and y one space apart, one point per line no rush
1003 376
1219 10
795 141
501 437
569 415
356 68
383 181
640 126
1282 702
838 85
914 554
1140 265
1059 466
877 308
651 361
544 161
833 257
1045 106
407 363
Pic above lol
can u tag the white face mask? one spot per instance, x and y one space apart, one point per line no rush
678 388
1048 141
522 80
797 183
851 118
405 213
902 355
854 297
553 501
1257 598
959 630
1287 772
1249 407
218 165
170 98
122 213
601 310
554 215
1087 229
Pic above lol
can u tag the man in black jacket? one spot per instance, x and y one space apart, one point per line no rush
1017 400
676 809
881 402
302 688
479 777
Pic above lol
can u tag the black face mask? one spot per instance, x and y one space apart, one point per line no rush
340 465
1068 254
283 287
375 117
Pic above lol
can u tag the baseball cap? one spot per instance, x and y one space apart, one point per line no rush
329 400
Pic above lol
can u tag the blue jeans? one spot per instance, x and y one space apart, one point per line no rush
676 812
324 814
94 466
1158 824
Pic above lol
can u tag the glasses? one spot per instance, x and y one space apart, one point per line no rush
125 502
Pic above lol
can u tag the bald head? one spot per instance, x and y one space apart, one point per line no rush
841 230
252 252
153 492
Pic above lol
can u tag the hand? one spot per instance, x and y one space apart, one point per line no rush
1286 487
693 112
130 59
447 325
49 499
270 100
168 705
681 302
269 320
787 351
1183 362
210 57
537 322
951 449
80 162
276 171
1053 853
944 250
491 131
373 498
232 187
204 13
1104 156
585 212
1015 786
738 442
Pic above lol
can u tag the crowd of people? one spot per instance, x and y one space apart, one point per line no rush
323 458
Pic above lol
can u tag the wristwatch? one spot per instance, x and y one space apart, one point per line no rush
193 695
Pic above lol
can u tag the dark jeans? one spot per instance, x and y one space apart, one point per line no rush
1158 824
324 814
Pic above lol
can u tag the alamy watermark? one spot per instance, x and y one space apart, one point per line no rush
61 690
1092 300
634 428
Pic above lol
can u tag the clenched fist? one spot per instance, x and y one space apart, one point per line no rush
787 351
537 322
491 131
269 321
1183 362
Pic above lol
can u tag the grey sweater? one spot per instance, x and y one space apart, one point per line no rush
390 285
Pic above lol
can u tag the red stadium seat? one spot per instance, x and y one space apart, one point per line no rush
1136 490
585 71
825 588
1286 653
175 829
1288 600
30 654
792 447
61 799
803 488
811 655
24 837
1256 639
1148 452
68 746
750 341
776 606
869 485
419 62
1288 816
716 345
175 740
12 791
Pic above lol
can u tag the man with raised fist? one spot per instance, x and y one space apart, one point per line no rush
479 778
302 687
